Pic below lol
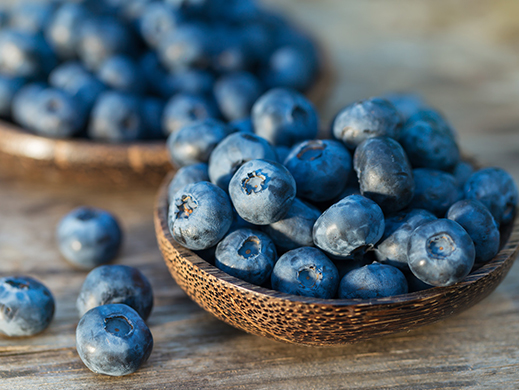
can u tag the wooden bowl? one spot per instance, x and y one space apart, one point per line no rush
321 322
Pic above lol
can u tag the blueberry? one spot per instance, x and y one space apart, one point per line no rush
428 147
121 73
199 215
31 16
407 104
195 142
116 284
434 118
365 119
232 152
26 306
152 110
435 191
188 174
306 271
23 108
415 284
236 93
247 254
158 81
113 340
88 237
192 8
479 223
193 81
295 229
496 189
384 173
440 252
231 53
320 168
184 109
158 20
284 117
350 226
9 86
262 191
462 171
243 126
116 117
392 248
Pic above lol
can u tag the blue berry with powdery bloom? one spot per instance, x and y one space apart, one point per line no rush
384 173
116 284
113 340
262 191
480 225
26 306
199 215
184 109
195 142
349 227
435 191
121 73
440 252
373 281
188 174
294 230
88 237
232 152
392 248
320 168
247 254
9 86
496 189
434 118
374 117
307 272
284 117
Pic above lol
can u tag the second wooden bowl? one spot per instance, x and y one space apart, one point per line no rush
321 322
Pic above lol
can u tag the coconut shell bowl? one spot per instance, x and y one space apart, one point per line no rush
322 322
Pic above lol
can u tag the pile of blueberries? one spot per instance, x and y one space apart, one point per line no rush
384 205
112 337
126 70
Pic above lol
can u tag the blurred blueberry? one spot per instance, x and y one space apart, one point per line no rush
152 110
434 118
480 225
284 117
187 175
64 28
496 189
350 226
192 8
23 108
295 228
365 119
320 168
392 248
116 284
158 20
27 306
195 142
9 86
242 126
306 271
4 18
247 254
113 340
236 93
462 171
31 16
121 73
262 191
88 237
440 252
435 191
232 152
384 173
407 104
259 40
200 215
193 81
185 109
116 117
231 53
157 80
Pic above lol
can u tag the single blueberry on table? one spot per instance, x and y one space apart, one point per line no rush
9 86
188 174
120 72
349 227
373 281
195 142
384 173
199 215
462 171
407 104
434 118
479 223
233 151
183 109
496 189
247 254
392 248
365 119
440 252
113 340
88 237
320 168
26 306
116 284
307 272
262 191
284 117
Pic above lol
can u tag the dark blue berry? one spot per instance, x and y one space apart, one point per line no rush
121 73
434 118
462 171
235 94
184 109
158 20
407 104
152 110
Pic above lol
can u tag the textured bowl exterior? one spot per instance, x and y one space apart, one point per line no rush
321 322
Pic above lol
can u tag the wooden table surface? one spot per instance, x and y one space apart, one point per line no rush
463 57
